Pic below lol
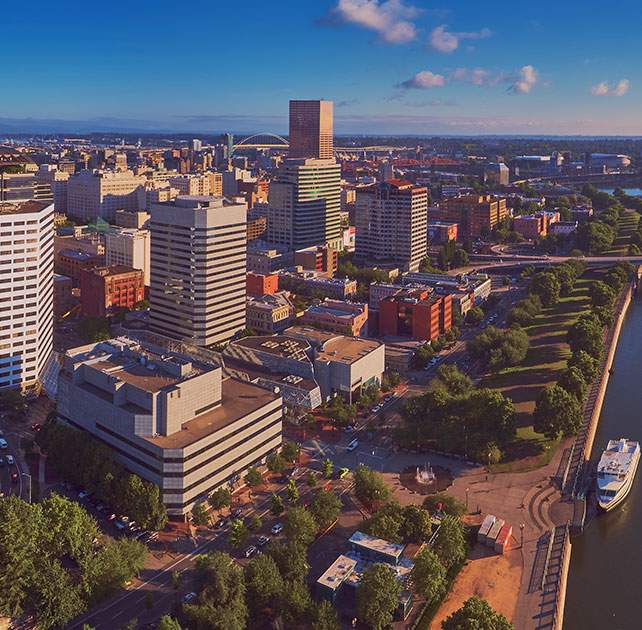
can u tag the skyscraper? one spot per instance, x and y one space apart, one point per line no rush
26 292
305 197
311 129
391 220
198 268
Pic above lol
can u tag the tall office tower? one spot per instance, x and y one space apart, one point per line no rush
92 194
198 268
311 124
197 144
128 247
304 204
391 220
26 291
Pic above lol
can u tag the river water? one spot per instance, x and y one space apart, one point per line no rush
632 192
604 589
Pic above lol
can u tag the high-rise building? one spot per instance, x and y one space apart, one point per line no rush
391 220
311 129
92 194
26 291
304 204
129 247
198 268
476 215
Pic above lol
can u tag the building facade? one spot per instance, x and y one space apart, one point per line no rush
476 215
169 417
198 269
105 290
262 284
344 318
129 247
311 129
269 313
391 221
26 291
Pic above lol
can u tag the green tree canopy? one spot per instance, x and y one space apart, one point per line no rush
253 477
557 413
264 584
378 596
476 614
369 486
220 498
429 575
325 508
299 526
546 285
450 542
586 364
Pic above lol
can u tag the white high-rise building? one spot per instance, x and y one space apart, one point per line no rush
26 291
92 194
198 269
129 247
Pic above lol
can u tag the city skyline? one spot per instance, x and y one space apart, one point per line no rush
390 66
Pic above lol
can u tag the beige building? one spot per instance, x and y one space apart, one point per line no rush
26 291
198 269
154 191
137 220
391 224
129 247
195 185
169 416
92 194
311 129
269 313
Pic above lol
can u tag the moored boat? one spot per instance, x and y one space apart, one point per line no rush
616 472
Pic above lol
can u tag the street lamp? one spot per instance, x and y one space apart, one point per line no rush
24 474
467 491
521 531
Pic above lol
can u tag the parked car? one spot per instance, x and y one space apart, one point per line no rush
10 460
277 528
342 473
349 429
352 446
83 494
262 541
250 551
3 443
188 598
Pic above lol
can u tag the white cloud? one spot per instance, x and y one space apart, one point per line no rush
445 41
604 89
526 79
477 76
424 80
391 19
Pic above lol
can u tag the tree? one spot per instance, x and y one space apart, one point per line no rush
94 329
200 517
445 503
378 596
476 613
299 526
422 355
428 575
311 479
277 506
546 286
601 294
324 616
264 584
452 380
594 237
296 602
168 623
325 508
220 498
253 477
13 404
474 316
572 380
290 451
586 334
450 542
586 364
238 533
292 491
370 486
291 558
460 258
557 413
416 526
498 349
276 463
255 522
328 468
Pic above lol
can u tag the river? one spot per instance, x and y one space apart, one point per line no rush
604 589
632 192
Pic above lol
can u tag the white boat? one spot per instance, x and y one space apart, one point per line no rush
616 472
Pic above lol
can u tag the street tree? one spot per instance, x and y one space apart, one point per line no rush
299 526
200 517
445 503
428 575
291 558
601 294
264 584
324 616
450 542
378 596
586 334
586 364
311 479
255 522
369 486
328 468
168 623
276 506
220 498
238 533
325 508
557 413
546 286
276 463
292 491
474 316
253 477
572 380
290 451
476 613
416 525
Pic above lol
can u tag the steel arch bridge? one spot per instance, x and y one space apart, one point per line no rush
263 140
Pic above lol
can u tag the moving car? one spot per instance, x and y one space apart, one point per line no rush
277 528
342 473
352 446
10 460
3 443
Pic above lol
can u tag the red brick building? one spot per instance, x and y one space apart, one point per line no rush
317 258
71 262
476 215
258 284
103 290
417 313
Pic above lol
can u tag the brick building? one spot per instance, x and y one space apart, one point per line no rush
317 258
415 313
262 284
476 215
69 262
103 290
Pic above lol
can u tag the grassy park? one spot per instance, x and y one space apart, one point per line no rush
545 360
627 224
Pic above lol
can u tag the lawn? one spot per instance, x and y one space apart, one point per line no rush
626 225
545 360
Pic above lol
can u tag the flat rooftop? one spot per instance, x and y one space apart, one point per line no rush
278 345
347 349
254 372
337 572
150 378
379 545
23 207
239 400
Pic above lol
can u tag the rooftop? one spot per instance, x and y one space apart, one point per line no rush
23 207
278 345
239 400
347 349
150 377
379 545
337 572
78 254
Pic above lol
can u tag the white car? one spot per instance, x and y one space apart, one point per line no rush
3 443
10 460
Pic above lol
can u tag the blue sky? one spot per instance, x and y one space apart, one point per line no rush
391 66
